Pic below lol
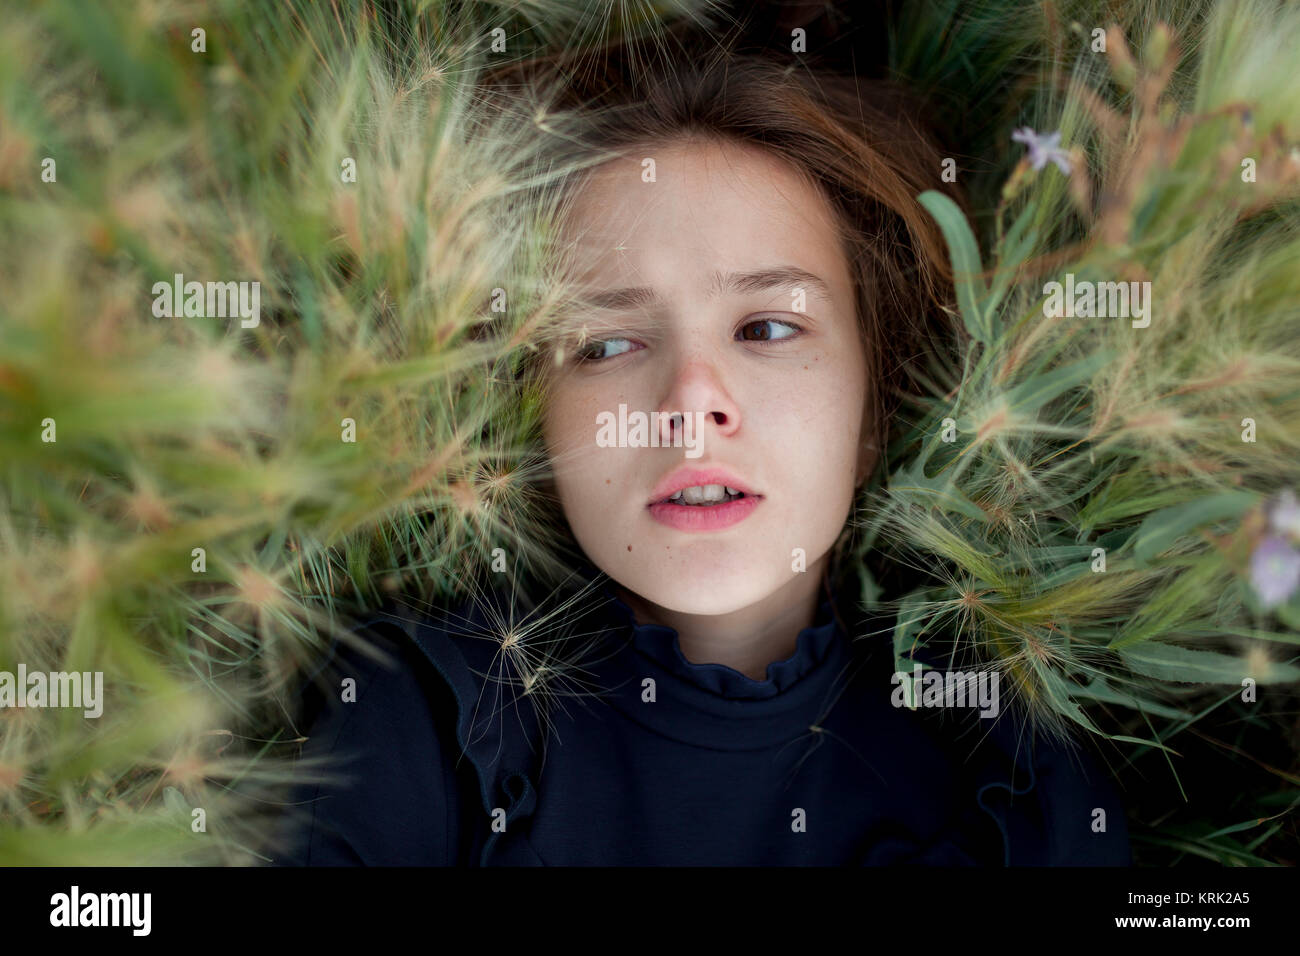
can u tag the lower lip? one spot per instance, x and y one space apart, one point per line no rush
711 518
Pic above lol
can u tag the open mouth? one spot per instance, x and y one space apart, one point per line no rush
704 508
704 496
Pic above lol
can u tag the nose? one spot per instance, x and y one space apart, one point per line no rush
697 388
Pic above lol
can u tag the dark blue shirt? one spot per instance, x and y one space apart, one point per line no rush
450 756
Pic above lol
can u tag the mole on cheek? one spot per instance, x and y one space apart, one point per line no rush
629 547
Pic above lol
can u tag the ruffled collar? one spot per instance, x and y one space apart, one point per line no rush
643 675
662 645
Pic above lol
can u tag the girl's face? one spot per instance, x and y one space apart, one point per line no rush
719 288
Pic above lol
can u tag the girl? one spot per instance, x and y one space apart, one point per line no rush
754 277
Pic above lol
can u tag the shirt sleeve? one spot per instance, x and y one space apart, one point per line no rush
392 797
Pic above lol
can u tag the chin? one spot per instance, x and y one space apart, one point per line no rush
689 590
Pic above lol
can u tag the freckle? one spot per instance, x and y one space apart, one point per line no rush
805 368
606 481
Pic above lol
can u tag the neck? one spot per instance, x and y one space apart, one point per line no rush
747 639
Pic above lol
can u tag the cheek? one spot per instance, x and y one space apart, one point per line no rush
834 442
562 420
818 411
569 433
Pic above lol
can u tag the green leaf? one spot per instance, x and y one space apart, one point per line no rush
1235 828
1218 630
911 484
1012 253
1125 739
1069 495
1173 663
1100 690
972 293
1033 394
908 626
1062 695
937 492
1160 530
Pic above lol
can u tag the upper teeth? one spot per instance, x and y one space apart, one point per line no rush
699 494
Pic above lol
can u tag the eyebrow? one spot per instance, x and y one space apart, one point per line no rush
758 280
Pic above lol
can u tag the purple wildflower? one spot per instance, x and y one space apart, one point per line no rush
1043 149
1274 570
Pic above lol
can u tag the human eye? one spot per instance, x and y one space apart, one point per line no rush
766 335
598 350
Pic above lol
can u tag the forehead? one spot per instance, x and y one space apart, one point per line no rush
670 213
